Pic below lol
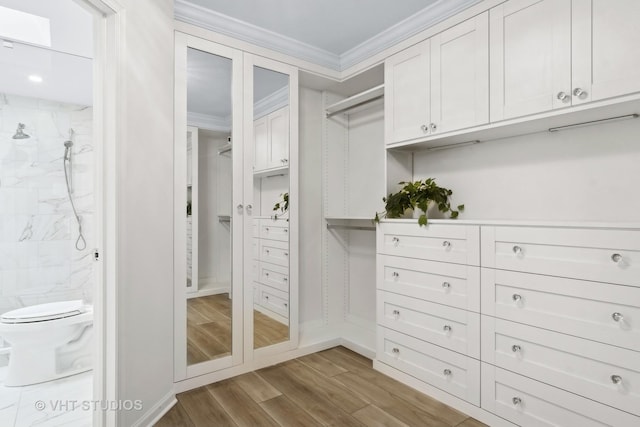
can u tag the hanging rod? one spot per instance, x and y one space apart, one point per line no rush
225 149
349 227
593 122
356 100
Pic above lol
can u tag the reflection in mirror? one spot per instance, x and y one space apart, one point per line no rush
209 175
271 219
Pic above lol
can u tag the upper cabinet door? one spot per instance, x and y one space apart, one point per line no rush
606 49
407 94
460 76
261 144
530 57
279 138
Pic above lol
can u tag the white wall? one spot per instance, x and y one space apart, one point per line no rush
145 208
310 205
584 174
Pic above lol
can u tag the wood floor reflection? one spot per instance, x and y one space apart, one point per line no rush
209 328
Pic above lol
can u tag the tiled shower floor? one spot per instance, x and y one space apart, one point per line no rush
18 405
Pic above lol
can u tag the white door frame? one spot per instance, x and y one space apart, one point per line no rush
107 119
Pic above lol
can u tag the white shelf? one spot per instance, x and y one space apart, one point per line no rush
281 170
356 100
224 218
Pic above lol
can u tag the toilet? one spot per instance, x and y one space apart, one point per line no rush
48 341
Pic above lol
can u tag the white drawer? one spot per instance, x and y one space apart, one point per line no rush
275 301
583 367
598 311
526 402
271 275
450 284
437 242
447 370
274 252
603 255
274 229
448 327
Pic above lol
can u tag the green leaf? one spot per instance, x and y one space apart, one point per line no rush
461 208
422 221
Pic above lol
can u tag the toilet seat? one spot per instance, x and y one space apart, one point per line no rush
44 312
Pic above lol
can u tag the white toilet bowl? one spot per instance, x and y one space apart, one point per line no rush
48 341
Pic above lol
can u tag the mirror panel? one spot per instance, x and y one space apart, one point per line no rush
271 248
208 296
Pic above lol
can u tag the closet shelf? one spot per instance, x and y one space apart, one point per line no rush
265 173
356 100
224 218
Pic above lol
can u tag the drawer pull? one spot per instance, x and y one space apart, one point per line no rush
286 254
266 229
516 401
517 250
516 297
616 379
395 350
396 313
395 274
446 328
446 285
286 230
285 279
266 297
618 317
395 241
446 244
516 348
267 251
286 305
616 257
447 372
266 274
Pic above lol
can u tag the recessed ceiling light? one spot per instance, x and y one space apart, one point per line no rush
35 78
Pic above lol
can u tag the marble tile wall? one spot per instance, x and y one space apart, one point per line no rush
38 260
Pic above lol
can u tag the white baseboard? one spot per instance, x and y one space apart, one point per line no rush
158 410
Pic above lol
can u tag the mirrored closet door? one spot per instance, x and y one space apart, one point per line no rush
208 229
271 130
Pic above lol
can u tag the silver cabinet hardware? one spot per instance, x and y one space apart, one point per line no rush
446 285
580 93
562 96
516 348
447 372
446 328
396 313
618 317
517 250
395 274
240 207
266 251
286 305
433 127
395 350
516 401
616 379
266 274
286 230
616 257
424 128
249 209
266 229
446 244
516 297
286 254
395 241
285 279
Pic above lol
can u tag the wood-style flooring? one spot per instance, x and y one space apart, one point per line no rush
335 387
209 328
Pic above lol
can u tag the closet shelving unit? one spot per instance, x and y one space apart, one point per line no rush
353 167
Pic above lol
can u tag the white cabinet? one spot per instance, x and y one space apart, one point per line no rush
530 66
553 54
440 84
271 141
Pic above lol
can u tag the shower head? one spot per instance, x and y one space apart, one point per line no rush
20 132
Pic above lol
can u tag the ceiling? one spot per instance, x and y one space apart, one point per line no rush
332 33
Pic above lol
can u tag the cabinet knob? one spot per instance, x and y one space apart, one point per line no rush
395 274
396 313
433 127
616 257
517 250
266 251
266 274
616 379
562 96
285 279
447 372
286 305
395 241
249 209
395 350
240 208
424 128
516 348
618 317
446 328
516 297
446 244
446 285
266 229
580 93
516 401
266 297
286 230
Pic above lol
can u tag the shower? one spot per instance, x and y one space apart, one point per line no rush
20 132
81 243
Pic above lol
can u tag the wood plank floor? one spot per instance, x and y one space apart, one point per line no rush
209 328
335 387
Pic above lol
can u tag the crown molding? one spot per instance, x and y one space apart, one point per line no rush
271 102
204 121
194 14
414 24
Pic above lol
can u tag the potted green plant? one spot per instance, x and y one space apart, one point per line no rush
418 195
282 206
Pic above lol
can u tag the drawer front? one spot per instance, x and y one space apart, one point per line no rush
447 370
450 284
597 311
272 275
274 229
601 255
604 373
274 252
274 300
526 402
437 242
448 327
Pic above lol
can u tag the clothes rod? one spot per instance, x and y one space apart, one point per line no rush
349 227
456 145
595 122
350 107
224 150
